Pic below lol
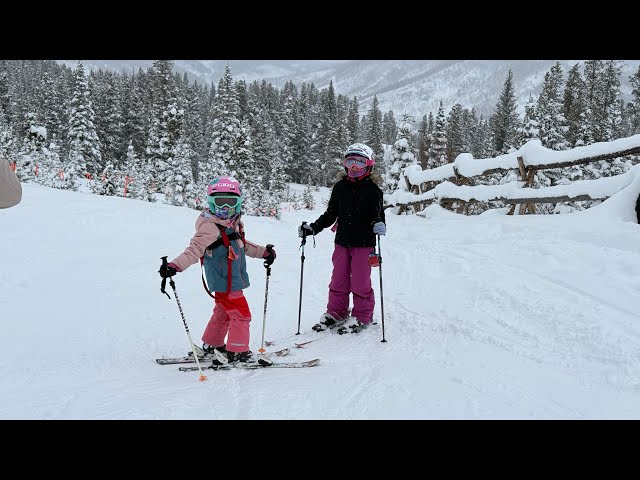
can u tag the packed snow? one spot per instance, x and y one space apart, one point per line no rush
486 317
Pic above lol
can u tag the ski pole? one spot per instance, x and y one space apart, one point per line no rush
184 321
381 296
302 244
266 293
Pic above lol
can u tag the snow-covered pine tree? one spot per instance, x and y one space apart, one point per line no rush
106 182
470 129
84 145
373 134
225 131
573 106
51 105
439 140
401 156
422 142
307 197
285 124
135 111
455 133
5 96
530 128
31 157
265 159
634 81
468 126
627 126
8 144
248 175
478 140
553 124
593 92
109 120
363 128
278 186
353 121
504 121
328 140
389 128
168 151
132 181
300 148
611 98
61 174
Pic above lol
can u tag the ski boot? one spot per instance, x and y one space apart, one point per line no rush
328 321
225 358
354 325
206 350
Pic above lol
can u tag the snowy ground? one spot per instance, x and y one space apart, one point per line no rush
489 317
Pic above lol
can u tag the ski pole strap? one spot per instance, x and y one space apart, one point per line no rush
204 283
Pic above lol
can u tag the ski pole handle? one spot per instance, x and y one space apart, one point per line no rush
164 279
266 264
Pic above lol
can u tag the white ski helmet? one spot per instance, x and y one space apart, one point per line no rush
361 150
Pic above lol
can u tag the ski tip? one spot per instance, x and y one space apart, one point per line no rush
312 363
202 378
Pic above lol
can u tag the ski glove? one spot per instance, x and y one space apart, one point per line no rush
304 230
168 270
269 255
379 228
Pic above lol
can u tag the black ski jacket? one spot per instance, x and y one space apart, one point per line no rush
356 206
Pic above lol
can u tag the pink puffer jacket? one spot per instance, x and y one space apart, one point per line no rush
207 232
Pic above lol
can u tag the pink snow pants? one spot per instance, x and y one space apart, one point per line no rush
231 315
351 274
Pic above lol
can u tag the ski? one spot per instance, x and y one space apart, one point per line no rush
254 366
339 329
208 357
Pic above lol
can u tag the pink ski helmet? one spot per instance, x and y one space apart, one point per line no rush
225 198
224 185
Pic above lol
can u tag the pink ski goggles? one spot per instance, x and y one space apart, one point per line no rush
356 162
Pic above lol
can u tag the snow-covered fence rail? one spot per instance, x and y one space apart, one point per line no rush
453 183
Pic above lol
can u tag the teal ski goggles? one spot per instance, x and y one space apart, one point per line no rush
222 201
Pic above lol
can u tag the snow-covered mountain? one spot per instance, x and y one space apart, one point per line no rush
412 86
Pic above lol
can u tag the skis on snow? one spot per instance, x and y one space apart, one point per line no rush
254 366
203 358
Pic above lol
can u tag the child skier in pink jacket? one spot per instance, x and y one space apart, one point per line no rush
220 245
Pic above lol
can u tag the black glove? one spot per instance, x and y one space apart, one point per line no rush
167 270
269 255
304 230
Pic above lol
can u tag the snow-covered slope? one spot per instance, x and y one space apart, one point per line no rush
486 317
